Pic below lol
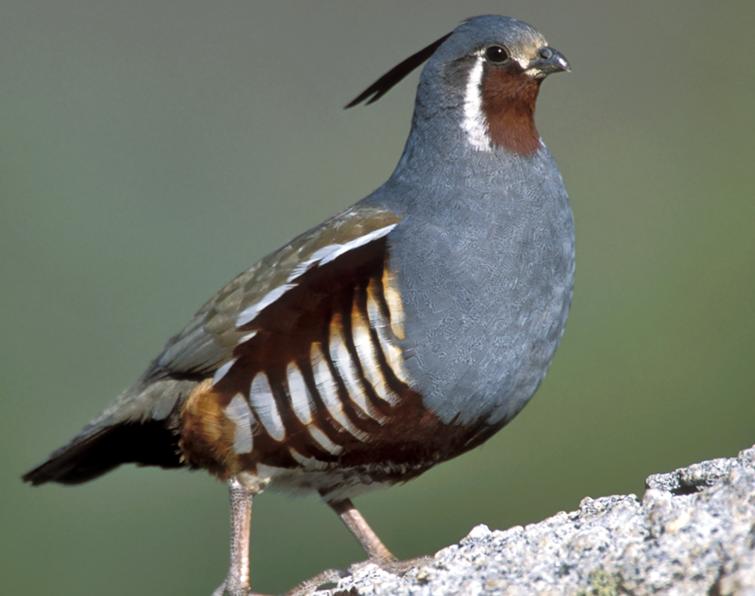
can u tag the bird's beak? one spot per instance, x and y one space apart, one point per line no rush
550 61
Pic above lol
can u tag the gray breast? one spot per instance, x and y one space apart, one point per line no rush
485 269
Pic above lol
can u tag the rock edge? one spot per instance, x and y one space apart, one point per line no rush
693 532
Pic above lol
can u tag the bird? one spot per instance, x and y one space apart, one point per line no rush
398 334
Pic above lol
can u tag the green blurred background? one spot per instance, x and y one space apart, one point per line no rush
151 150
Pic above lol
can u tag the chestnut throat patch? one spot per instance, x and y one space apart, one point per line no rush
508 98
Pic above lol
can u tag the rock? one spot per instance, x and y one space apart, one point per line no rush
693 532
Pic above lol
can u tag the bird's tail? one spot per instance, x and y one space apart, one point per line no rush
102 447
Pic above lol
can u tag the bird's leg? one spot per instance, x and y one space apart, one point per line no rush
238 583
358 526
376 551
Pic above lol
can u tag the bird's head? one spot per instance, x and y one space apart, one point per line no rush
484 77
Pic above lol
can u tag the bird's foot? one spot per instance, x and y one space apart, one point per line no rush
318 582
331 576
399 568
223 590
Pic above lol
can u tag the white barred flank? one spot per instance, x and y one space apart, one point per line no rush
360 332
323 441
301 400
395 306
341 357
223 371
341 382
307 462
378 322
328 390
238 412
263 401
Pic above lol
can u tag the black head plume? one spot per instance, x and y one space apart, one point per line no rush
395 75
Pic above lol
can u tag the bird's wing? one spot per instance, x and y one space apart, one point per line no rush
225 324
227 320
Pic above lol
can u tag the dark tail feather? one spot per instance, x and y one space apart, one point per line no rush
97 451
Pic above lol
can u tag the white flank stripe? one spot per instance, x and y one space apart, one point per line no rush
392 352
264 406
340 355
328 390
329 253
357 242
322 256
246 337
223 371
238 412
317 256
301 401
368 358
307 462
474 123
323 441
395 306
250 312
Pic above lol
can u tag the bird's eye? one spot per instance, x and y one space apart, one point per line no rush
496 54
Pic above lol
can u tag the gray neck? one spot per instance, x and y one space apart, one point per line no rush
438 150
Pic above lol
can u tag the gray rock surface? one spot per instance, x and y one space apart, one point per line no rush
693 532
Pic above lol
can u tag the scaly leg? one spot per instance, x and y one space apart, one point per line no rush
358 526
238 583
376 551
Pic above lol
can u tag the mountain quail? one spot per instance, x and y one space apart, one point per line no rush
398 334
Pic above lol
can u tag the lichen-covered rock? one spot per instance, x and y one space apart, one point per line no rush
693 532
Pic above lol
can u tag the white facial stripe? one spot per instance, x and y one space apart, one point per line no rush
263 402
301 401
328 390
366 352
339 354
238 412
474 123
